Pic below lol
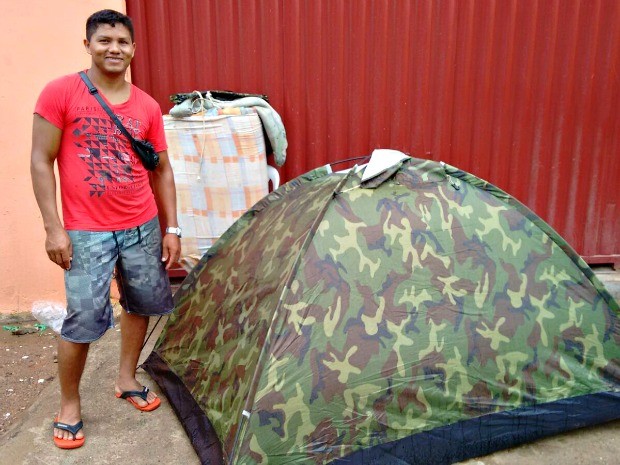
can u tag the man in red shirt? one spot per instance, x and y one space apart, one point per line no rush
111 214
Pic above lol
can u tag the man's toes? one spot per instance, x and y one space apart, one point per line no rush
62 434
140 401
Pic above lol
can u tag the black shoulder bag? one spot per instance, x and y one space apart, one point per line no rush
143 148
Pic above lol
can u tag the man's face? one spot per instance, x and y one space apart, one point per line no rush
111 48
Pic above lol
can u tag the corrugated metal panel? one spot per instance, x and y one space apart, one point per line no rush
524 94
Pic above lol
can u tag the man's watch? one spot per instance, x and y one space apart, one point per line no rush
172 230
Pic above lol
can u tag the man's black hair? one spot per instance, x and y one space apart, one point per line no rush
110 17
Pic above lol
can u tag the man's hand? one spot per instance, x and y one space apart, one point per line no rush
59 248
171 245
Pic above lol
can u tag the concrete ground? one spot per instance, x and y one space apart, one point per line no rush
118 433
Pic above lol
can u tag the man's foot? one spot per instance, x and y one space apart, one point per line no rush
74 432
70 414
139 396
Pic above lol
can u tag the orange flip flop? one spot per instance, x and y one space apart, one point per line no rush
142 395
73 429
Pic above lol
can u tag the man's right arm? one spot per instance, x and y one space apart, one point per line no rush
45 145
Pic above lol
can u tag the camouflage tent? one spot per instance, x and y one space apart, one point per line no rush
422 316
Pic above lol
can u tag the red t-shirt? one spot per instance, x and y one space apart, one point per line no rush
104 186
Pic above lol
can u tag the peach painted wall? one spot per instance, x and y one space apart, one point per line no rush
41 40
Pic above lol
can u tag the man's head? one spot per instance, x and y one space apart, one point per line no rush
109 40
109 17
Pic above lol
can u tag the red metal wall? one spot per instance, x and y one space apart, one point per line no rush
522 93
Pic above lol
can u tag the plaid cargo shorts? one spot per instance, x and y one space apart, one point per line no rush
141 276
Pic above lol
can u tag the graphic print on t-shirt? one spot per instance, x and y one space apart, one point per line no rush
106 153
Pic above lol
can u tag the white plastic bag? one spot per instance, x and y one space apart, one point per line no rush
51 314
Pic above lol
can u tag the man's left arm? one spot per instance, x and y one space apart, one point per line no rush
165 196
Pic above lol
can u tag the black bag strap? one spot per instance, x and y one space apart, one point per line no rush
93 90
